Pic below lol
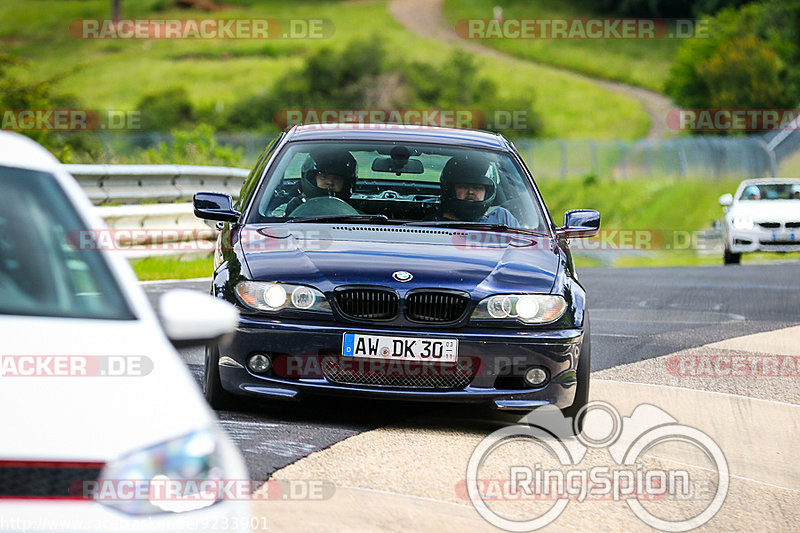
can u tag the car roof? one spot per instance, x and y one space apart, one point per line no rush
762 181
397 132
19 151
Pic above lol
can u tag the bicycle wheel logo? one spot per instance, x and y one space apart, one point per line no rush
636 473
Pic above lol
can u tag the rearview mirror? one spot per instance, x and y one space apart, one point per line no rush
580 223
398 166
192 318
726 200
214 206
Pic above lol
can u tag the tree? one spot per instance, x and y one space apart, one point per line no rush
743 73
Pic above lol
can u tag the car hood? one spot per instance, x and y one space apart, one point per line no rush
768 210
95 418
473 261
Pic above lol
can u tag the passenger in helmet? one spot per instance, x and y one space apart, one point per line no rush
468 192
325 173
752 193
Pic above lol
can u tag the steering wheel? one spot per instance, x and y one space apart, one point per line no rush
323 206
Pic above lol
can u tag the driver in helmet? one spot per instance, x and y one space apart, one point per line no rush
752 193
325 173
795 192
468 192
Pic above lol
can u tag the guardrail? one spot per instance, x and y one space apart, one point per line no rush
134 184
155 198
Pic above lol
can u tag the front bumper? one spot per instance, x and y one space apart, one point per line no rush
503 354
761 239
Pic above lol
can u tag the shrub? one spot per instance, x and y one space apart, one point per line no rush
192 147
166 110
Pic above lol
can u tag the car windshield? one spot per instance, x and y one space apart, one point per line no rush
771 191
42 271
390 182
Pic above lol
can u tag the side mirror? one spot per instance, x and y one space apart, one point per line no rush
580 223
192 318
214 206
726 200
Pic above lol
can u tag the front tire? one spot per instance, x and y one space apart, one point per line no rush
217 397
583 376
731 258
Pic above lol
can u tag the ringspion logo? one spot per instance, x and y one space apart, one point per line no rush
628 476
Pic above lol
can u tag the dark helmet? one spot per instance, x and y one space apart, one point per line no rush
336 162
468 169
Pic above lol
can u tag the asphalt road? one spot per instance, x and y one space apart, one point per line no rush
637 314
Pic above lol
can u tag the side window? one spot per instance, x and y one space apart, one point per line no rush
49 261
287 188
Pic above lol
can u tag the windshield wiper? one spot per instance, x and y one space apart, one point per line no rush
342 218
459 224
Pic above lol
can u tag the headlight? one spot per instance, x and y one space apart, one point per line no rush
742 223
527 308
269 296
173 476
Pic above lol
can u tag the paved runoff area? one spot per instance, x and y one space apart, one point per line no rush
411 476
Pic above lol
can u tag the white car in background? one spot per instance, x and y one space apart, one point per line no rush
763 216
95 398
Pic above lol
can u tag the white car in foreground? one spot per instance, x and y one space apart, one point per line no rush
763 216
102 427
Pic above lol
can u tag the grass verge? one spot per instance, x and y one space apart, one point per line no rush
644 63
172 267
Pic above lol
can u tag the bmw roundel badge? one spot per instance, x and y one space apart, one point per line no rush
402 276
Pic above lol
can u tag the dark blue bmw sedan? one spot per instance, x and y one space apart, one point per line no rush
406 262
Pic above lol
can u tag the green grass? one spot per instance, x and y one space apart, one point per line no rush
644 63
173 267
640 204
107 74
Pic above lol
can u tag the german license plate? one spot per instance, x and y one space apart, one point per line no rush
400 348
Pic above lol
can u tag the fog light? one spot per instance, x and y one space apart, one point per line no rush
535 376
259 363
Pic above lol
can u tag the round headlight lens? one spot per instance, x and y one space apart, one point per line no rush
275 296
527 307
499 306
303 298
